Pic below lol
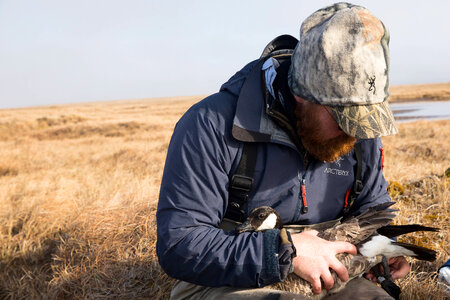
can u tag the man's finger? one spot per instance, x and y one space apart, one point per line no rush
340 269
400 268
370 276
327 279
311 232
316 285
340 247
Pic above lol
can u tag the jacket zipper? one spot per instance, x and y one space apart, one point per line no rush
302 193
305 204
285 122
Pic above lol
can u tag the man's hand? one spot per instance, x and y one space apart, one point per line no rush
398 266
315 257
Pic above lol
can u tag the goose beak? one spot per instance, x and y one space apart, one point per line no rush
246 226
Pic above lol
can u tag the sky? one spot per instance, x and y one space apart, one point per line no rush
71 51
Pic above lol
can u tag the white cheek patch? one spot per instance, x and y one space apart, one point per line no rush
269 223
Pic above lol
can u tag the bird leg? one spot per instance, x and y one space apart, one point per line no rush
385 279
386 270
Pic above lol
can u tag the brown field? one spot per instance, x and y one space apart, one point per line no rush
436 91
79 185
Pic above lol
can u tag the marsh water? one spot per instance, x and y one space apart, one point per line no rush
423 110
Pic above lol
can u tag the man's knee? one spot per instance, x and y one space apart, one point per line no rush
185 290
361 288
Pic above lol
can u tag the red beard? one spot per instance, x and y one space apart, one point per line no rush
311 134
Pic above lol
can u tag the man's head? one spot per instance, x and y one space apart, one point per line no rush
342 63
320 134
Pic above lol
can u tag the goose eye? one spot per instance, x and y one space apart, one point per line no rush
261 216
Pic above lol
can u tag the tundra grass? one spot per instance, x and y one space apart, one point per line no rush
79 186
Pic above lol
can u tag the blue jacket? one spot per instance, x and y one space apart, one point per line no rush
203 154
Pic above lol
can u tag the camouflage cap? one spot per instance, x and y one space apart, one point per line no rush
342 61
365 121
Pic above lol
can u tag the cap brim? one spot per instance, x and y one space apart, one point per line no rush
366 121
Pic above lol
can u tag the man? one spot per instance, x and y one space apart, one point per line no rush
304 109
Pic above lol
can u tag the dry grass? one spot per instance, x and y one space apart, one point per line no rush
436 91
78 189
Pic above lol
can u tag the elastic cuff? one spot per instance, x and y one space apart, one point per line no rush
285 260
287 252
294 254
278 256
271 271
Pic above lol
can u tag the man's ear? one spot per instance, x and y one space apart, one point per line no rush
298 99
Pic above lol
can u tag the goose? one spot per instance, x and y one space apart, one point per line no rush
370 232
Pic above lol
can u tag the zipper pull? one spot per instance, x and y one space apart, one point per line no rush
305 204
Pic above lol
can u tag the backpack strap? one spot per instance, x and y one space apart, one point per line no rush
281 42
241 183
358 186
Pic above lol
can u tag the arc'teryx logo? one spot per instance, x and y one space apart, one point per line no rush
338 161
335 171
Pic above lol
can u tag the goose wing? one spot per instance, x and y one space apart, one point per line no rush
358 228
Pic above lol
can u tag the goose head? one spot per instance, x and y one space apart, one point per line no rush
260 219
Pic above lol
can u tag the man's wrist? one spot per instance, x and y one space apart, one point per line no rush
286 242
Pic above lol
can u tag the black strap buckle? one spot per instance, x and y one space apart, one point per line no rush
239 191
358 187
242 183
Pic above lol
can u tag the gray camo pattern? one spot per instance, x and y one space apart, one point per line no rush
342 60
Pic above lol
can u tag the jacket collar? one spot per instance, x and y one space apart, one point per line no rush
251 121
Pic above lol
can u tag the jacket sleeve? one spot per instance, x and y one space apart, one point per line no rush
375 185
192 202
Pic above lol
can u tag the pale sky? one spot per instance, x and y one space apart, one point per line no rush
68 51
